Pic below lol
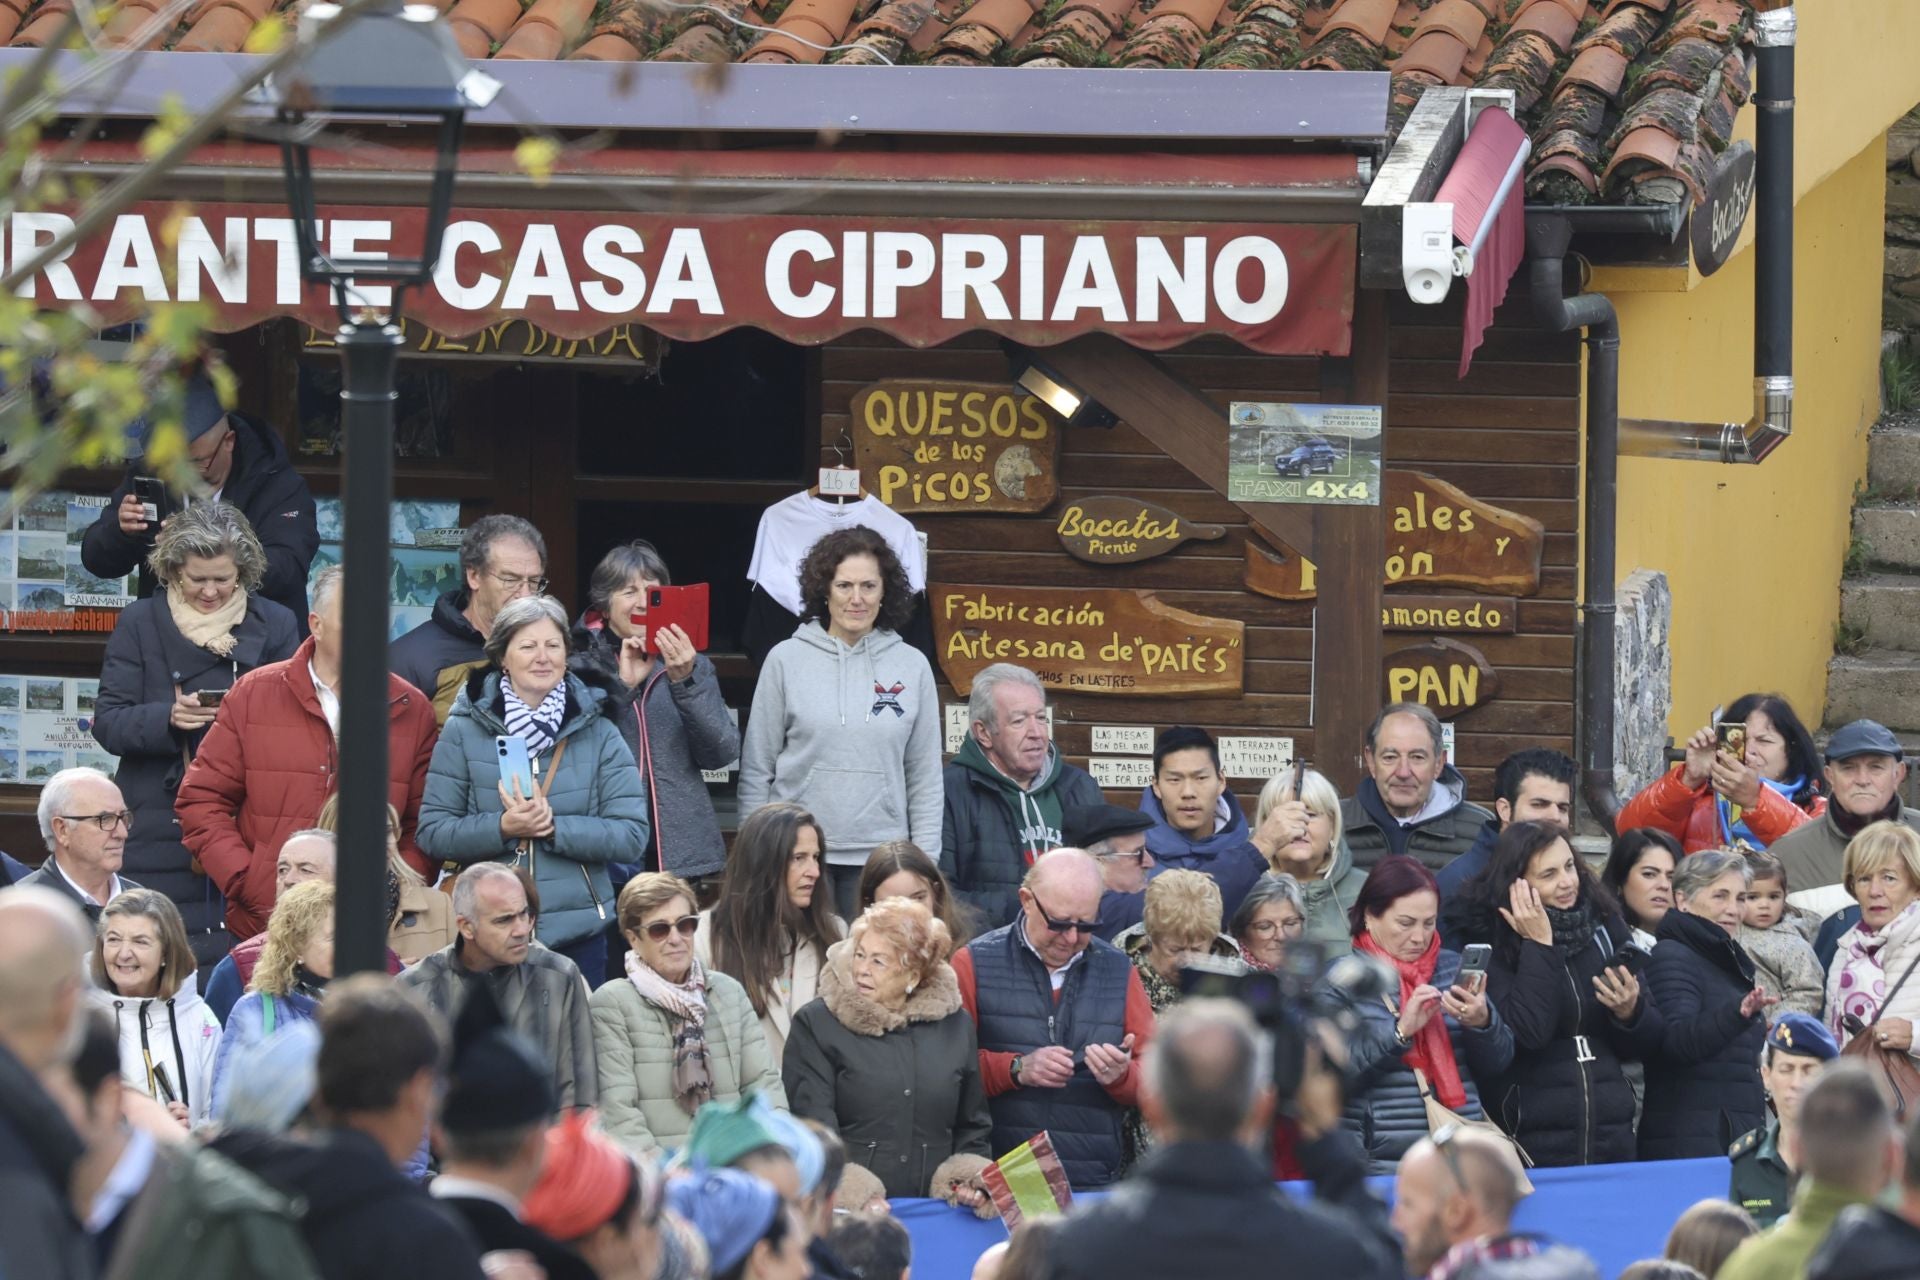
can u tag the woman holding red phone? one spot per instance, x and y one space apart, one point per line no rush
664 698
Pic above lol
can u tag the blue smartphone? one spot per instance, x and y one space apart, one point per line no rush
515 766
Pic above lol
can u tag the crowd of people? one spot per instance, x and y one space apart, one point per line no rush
611 1043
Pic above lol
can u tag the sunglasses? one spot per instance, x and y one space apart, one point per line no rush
686 925
1057 925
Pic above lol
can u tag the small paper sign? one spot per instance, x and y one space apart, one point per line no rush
1122 740
1121 773
1255 757
1446 741
839 482
956 723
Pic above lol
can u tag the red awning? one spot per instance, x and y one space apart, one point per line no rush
1489 218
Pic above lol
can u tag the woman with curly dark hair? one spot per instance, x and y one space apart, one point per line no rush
844 718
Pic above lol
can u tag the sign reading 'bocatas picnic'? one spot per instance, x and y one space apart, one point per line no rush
1113 530
1098 640
956 446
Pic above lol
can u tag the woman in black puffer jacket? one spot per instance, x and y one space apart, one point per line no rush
1703 1086
1575 1009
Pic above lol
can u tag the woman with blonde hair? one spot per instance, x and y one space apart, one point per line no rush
673 1034
887 1057
419 916
1318 858
170 659
290 978
144 975
1181 920
1871 984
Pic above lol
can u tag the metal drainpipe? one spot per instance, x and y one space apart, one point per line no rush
1547 239
1772 421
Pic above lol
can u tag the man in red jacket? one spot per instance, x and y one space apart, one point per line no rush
271 759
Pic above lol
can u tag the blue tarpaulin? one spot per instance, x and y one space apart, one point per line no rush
1617 1213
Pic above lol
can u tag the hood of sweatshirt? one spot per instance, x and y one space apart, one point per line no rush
1163 840
849 671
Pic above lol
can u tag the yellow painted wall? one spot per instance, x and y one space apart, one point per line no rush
1754 553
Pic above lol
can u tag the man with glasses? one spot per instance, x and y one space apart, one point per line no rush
501 559
1412 800
1060 1017
539 992
85 824
1116 838
244 463
1453 1201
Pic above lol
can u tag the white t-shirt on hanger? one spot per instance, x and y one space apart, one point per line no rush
790 527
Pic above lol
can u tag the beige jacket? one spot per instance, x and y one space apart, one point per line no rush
796 989
425 924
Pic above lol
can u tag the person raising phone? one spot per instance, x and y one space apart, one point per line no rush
1560 975
1753 795
665 700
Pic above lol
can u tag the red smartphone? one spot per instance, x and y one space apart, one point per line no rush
684 607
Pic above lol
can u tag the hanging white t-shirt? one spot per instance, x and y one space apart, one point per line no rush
790 527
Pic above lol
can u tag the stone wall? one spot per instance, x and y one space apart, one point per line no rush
1642 681
1902 310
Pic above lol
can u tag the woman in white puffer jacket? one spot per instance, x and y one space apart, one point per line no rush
146 977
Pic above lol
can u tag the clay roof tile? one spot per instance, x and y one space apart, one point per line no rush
1462 19
547 29
1551 20
1601 68
1004 18
223 29
481 23
1439 53
1368 19
608 46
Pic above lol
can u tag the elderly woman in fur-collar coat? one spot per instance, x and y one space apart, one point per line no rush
887 1057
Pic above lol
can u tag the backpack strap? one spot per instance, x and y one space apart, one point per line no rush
267 1015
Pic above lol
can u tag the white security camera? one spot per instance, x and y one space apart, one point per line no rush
1426 251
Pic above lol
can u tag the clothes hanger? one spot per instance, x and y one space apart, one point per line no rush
840 464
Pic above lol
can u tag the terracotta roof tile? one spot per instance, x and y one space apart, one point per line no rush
1263 34
1464 20
887 33
1439 53
548 29
1551 19
1367 19
481 24
1598 68
1172 36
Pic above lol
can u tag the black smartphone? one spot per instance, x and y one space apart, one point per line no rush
1299 778
164 1085
210 697
1473 967
1633 960
152 495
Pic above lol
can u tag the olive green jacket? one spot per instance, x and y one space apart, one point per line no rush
1781 1251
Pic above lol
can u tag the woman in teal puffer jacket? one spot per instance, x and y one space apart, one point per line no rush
594 811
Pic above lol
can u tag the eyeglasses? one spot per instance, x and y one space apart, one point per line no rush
687 926
1443 1143
106 820
1134 859
1267 928
514 582
1057 925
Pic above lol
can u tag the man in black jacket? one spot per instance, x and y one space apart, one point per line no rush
43 941
1007 793
1872 1242
1201 1203
245 464
1412 800
502 558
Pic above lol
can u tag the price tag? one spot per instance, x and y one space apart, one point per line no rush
1121 773
1122 739
1255 757
839 482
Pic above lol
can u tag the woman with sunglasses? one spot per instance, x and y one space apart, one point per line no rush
675 1034
774 921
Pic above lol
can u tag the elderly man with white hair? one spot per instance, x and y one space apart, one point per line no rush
1061 1018
85 824
540 992
43 948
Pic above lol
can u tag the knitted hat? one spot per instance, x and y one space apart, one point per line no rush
731 1211
808 1157
582 1184
723 1132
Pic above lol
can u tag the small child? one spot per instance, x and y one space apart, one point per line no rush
1773 934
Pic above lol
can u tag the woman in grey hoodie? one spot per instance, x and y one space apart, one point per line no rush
845 720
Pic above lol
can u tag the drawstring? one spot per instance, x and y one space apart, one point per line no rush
840 678
179 1058
646 767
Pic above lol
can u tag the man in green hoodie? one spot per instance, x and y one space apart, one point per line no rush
1006 791
1847 1153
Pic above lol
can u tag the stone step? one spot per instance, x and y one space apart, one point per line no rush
1886 606
1878 684
1893 458
1892 534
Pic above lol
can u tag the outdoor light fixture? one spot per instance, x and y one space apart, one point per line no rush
386 64
1076 408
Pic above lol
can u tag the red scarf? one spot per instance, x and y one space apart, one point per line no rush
1432 1049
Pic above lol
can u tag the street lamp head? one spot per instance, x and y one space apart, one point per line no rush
373 63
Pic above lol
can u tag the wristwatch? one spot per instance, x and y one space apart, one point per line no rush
1014 1069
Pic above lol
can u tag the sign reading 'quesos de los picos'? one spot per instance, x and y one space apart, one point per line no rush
956 446
1274 289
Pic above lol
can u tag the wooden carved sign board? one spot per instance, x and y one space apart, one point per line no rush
1436 536
1098 640
1111 530
1445 676
956 446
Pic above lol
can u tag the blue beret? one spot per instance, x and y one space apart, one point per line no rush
1801 1034
731 1210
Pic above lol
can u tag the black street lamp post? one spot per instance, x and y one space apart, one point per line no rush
378 63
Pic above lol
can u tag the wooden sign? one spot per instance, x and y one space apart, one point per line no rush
956 446
1446 676
1436 536
1099 640
1482 615
1111 530
1718 219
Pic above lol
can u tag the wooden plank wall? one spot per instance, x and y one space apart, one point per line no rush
1508 433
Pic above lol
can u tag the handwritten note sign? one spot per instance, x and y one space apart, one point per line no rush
1255 757
956 446
1121 773
1122 740
1112 530
1436 536
1446 676
1099 640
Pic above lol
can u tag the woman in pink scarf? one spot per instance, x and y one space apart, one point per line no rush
1870 984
